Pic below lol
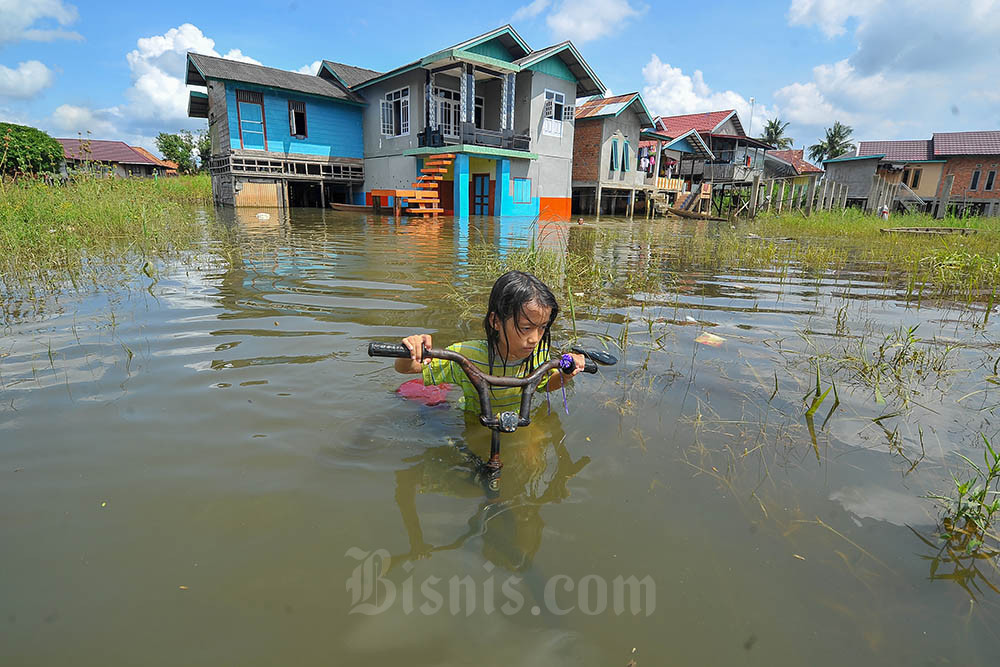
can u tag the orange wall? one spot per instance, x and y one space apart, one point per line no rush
554 208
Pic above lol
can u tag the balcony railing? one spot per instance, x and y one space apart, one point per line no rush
472 135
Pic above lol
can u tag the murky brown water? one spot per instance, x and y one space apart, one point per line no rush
206 470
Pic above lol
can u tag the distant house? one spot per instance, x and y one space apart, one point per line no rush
168 165
114 158
921 168
728 156
607 165
790 165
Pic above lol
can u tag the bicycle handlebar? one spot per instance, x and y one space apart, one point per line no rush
482 381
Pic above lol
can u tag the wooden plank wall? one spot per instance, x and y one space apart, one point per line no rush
267 195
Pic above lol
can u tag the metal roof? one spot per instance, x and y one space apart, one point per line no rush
98 150
201 68
903 151
599 107
854 157
967 143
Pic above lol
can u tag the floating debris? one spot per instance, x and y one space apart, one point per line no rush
263 216
710 339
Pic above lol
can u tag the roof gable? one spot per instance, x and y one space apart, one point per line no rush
492 48
505 37
587 82
347 76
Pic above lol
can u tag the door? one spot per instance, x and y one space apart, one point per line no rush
480 194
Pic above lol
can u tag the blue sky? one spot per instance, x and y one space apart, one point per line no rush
892 69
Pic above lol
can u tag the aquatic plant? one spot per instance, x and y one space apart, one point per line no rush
968 515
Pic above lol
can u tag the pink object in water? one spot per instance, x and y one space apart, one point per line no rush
415 390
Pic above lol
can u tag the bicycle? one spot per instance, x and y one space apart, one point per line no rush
504 422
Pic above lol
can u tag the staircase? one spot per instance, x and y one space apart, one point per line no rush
909 199
428 202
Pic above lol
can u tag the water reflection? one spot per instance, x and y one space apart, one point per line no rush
508 521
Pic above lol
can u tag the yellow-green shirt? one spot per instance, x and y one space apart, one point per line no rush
501 398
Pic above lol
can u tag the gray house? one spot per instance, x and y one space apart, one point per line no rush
494 117
854 172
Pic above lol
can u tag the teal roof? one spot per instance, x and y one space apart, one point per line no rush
856 157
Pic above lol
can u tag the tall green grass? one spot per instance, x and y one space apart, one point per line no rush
46 227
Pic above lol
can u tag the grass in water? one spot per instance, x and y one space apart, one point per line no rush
59 226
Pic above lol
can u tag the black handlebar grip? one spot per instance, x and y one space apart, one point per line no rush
388 350
589 366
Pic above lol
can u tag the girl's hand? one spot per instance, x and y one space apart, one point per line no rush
580 361
415 344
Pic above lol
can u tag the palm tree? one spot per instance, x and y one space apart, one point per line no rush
774 134
836 143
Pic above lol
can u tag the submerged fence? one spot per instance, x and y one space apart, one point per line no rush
734 200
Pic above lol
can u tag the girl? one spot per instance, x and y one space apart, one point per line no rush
518 320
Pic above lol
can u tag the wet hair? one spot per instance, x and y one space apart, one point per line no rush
510 294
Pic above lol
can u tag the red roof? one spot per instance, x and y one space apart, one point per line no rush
901 151
103 151
797 160
163 163
967 143
594 106
675 126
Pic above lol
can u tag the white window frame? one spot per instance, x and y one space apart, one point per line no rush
388 115
453 100
552 113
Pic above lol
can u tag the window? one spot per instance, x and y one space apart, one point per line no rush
915 178
552 112
449 111
625 166
250 115
614 155
396 113
990 177
522 190
906 177
297 119
975 180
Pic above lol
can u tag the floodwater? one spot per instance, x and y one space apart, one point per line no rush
205 468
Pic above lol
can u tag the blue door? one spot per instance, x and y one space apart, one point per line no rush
252 126
480 194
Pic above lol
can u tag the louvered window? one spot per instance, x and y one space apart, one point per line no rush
297 119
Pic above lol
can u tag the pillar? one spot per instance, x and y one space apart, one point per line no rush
631 203
942 207
461 193
503 196
810 195
597 201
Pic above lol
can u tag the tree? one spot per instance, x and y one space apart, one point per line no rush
26 150
176 148
204 144
774 134
836 143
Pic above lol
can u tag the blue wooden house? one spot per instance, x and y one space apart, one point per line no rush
278 138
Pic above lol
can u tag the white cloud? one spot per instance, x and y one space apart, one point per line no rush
27 20
670 92
531 10
70 120
829 16
900 82
311 68
158 90
29 79
586 20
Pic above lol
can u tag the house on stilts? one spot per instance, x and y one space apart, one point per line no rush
483 127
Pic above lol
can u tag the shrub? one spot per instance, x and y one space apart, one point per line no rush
26 150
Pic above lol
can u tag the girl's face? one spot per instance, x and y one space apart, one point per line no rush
520 335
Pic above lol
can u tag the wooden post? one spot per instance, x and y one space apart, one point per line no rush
942 207
810 195
397 207
597 201
870 202
846 193
769 189
322 195
631 203
822 196
779 187
755 189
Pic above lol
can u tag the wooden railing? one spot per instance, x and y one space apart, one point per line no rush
299 168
